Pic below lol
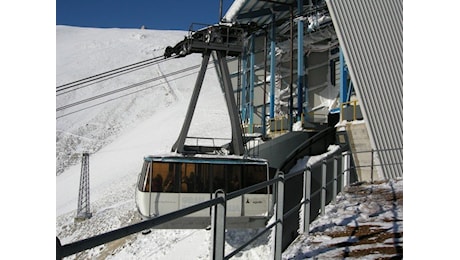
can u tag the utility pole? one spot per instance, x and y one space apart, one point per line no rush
83 210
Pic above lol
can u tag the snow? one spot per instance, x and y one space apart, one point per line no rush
119 133
373 206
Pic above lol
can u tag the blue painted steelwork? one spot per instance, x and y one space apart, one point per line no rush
350 88
272 67
264 107
244 86
343 78
345 86
300 68
264 120
251 84
305 82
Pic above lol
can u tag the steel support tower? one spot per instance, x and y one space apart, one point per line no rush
83 210
220 41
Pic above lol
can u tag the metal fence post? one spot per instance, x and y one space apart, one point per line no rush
307 197
218 227
372 165
323 186
279 218
334 185
346 168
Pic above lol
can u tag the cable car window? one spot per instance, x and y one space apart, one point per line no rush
202 178
157 183
188 178
169 182
218 177
254 174
142 180
162 177
234 178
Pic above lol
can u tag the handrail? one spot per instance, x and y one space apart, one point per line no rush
84 244
279 119
211 139
372 159
91 242
278 195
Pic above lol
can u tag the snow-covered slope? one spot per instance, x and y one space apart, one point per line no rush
119 131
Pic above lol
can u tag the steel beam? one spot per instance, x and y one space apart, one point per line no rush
272 67
244 87
343 78
251 83
300 67
179 145
237 145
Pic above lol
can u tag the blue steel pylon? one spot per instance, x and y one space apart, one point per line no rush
83 210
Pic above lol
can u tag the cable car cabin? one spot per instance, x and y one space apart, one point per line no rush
170 183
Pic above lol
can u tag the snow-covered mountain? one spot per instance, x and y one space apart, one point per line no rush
119 129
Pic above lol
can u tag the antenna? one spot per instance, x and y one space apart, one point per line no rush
83 210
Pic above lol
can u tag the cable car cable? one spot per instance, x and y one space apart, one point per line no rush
125 88
106 101
110 73
95 81
100 74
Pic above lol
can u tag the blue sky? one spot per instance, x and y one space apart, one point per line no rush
154 14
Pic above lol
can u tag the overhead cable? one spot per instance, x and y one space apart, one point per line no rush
112 73
126 88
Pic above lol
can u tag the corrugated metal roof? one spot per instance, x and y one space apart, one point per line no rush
370 33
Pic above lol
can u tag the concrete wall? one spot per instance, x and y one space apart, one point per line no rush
360 145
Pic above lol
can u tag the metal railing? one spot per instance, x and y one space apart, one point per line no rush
217 224
331 183
206 141
279 125
375 161
253 148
